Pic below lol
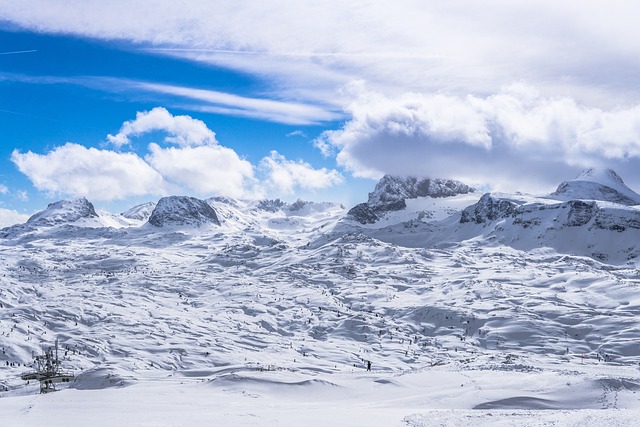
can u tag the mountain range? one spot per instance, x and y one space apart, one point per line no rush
427 272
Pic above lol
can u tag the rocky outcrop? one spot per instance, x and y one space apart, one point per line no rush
488 209
64 211
182 210
391 193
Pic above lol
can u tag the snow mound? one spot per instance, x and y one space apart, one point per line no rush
597 184
182 210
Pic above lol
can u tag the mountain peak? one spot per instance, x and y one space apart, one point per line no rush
391 193
597 184
183 210
140 212
64 211
600 176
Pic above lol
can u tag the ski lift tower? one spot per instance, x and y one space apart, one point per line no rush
47 371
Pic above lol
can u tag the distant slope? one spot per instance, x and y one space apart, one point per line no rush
392 192
597 184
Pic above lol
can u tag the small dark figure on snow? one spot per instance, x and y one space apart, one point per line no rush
368 365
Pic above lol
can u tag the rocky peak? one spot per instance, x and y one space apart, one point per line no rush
488 208
391 193
64 211
182 210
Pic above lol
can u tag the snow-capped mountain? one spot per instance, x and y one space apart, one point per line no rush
182 210
140 212
241 296
392 192
597 184
64 211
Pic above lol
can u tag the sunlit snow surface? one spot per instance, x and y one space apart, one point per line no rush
269 319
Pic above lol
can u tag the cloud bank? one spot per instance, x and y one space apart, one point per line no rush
190 160
479 139
75 170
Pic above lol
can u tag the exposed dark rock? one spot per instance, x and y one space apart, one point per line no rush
183 210
488 209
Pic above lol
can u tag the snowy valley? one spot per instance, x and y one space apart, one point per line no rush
472 309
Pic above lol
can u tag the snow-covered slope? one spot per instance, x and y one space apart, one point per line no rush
488 306
140 212
78 210
392 193
597 184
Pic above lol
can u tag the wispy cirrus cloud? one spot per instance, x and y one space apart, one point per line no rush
305 50
226 103
201 100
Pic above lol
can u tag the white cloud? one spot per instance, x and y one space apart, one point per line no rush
75 170
297 133
284 176
583 49
496 138
9 218
23 196
197 165
4 189
230 104
181 130
207 170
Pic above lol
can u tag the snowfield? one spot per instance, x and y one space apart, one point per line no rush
269 314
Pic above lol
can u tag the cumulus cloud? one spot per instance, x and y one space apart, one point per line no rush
284 176
212 170
180 130
9 217
479 138
75 170
194 162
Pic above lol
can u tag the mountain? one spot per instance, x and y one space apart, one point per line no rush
64 211
597 184
140 212
593 215
181 211
507 301
392 192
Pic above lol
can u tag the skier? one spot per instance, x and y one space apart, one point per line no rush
368 365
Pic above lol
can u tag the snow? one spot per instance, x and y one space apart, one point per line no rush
270 317
597 184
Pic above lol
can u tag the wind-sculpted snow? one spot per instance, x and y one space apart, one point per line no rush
531 303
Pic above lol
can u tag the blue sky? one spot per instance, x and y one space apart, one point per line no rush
126 101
